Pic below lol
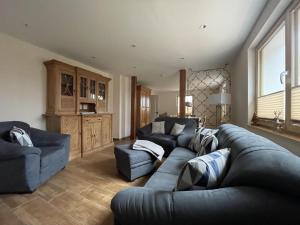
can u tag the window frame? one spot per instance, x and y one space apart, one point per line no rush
287 19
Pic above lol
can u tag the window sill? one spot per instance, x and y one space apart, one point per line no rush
283 134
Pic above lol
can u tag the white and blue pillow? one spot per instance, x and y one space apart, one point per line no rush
204 171
204 141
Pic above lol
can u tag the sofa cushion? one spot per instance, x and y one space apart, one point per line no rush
182 153
170 121
172 166
5 127
158 127
204 141
162 181
20 136
177 129
203 171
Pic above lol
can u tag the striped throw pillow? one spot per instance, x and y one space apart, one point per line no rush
204 141
204 171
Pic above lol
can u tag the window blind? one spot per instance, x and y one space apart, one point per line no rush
295 103
266 105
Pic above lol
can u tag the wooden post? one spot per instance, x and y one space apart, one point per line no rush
133 107
182 92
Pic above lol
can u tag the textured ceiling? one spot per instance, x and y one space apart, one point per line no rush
101 33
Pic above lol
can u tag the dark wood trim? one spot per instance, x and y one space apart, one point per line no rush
133 107
182 92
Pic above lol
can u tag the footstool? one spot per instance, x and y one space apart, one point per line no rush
133 163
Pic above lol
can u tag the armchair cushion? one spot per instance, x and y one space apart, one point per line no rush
5 128
42 138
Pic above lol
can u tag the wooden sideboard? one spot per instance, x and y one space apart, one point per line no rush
77 105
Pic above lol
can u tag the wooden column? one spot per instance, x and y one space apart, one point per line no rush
182 91
133 107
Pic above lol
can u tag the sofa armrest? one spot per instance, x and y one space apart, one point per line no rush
10 150
44 138
145 206
231 205
144 131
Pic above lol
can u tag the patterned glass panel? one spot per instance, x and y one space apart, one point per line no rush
101 91
200 85
66 84
83 87
92 89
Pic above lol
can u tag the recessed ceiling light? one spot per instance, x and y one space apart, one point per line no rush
203 26
133 45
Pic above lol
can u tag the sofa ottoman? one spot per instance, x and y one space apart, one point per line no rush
133 163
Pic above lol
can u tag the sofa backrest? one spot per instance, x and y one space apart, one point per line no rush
257 161
190 123
6 126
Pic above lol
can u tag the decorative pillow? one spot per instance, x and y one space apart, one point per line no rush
177 129
158 127
204 171
18 135
204 141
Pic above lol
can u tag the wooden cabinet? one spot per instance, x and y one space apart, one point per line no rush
71 92
96 132
61 87
143 106
67 125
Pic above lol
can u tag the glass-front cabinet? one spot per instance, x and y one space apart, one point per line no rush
101 96
92 92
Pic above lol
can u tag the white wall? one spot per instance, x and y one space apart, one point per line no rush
122 106
23 80
243 73
167 102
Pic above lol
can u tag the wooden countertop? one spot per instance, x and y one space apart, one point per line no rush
77 114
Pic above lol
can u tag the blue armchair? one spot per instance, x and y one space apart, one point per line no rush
23 169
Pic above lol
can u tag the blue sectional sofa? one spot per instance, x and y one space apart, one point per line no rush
23 169
261 187
168 141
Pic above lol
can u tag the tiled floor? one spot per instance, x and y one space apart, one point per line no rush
78 195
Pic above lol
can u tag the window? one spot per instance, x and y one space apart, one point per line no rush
272 65
295 92
278 72
188 105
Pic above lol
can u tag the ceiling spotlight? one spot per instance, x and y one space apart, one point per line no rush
133 45
203 26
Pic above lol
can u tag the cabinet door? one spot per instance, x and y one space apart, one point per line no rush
72 125
87 134
97 126
67 91
106 129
